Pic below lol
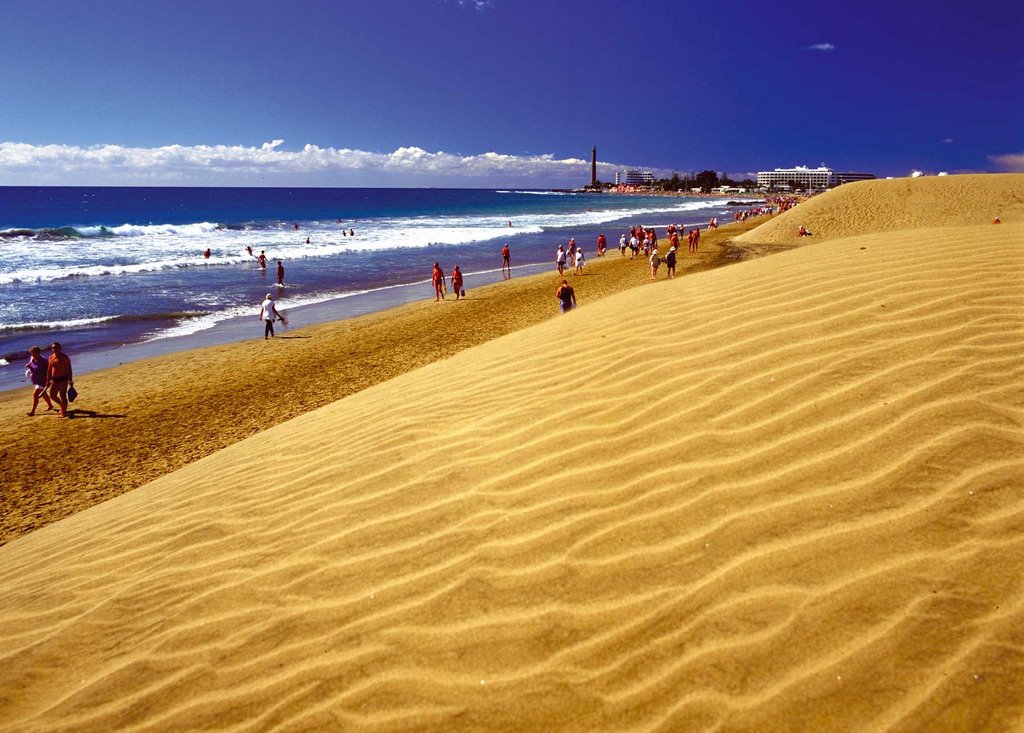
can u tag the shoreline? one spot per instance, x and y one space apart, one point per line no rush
92 354
242 328
143 419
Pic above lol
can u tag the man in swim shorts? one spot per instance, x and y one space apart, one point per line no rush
59 378
437 278
506 260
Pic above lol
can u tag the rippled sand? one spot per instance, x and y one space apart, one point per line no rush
784 495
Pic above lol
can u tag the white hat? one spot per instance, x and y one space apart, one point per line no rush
269 296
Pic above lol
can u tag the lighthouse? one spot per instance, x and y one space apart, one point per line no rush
593 167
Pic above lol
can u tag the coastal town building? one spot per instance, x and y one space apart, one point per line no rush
850 176
821 177
636 177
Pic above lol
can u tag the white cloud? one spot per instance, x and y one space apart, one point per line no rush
821 47
270 164
1010 162
947 140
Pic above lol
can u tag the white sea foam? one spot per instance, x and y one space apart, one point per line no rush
541 193
135 249
50 325
204 322
142 230
4 362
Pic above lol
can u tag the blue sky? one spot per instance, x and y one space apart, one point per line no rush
504 92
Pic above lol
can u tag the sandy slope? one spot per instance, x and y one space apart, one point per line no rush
898 204
141 420
779 496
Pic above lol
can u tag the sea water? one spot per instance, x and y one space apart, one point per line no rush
102 267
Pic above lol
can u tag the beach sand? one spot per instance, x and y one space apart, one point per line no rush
141 420
784 495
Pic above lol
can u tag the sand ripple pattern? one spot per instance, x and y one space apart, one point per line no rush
785 495
898 204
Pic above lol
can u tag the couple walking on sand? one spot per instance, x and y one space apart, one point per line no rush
51 379
440 284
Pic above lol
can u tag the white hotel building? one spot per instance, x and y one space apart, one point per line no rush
810 178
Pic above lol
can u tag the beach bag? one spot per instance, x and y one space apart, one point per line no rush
463 293
72 394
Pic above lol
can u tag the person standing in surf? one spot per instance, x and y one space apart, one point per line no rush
262 259
269 314
506 260
280 273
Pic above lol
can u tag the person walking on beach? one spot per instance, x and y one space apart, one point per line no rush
579 261
506 260
437 278
280 273
566 296
670 262
457 282
560 259
36 369
59 377
655 263
269 314
622 245
602 244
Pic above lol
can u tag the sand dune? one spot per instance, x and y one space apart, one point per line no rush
784 495
897 205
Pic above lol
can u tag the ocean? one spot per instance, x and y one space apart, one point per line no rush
103 268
